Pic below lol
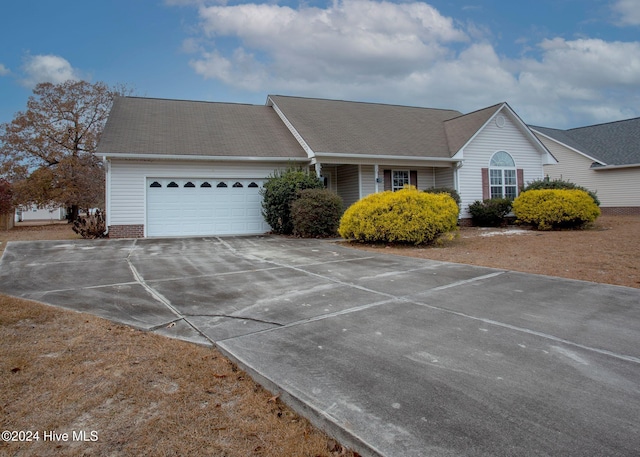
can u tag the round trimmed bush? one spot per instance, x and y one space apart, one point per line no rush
547 183
555 208
445 190
316 213
405 216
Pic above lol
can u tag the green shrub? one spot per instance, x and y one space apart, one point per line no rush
547 183
316 213
445 190
491 212
555 208
280 190
405 216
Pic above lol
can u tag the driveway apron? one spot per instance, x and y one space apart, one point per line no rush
394 356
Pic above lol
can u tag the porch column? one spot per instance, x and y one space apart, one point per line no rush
318 169
376 178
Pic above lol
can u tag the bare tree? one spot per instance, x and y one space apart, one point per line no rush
47 151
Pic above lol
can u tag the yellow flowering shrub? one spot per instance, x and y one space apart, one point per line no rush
555 208
405 216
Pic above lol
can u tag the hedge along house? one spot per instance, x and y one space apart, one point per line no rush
604 158
187 168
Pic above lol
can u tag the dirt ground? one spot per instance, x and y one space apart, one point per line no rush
143 394
34 231
607 252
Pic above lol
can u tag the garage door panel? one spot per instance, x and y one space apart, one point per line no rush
205 208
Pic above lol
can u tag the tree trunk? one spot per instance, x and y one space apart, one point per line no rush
73 213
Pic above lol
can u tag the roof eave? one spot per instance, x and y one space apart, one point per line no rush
596 167
319 155
114 155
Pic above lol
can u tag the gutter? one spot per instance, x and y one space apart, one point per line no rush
202 157
319 155
596 167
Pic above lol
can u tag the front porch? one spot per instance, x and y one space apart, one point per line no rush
353 181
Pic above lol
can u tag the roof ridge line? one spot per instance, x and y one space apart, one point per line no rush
186 100
362 102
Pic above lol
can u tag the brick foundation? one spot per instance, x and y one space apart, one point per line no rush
620 211
126 231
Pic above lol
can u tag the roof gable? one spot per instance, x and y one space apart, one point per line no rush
346 127
149 126
461 129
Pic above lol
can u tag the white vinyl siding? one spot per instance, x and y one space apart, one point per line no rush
478 153
329 172
443 177
127 201
614 188
367 180
348 184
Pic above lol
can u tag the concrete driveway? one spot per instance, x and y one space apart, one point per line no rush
394 356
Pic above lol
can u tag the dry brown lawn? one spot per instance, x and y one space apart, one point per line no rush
607 252
35 231
144 394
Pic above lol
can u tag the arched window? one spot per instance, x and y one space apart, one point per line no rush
238 184
155 184
222 184
189 184
503 182
253 184
205 184
172 184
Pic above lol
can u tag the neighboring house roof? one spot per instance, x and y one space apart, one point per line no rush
611 144
368 129
158 127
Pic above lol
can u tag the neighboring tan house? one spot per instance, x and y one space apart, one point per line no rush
604 158
188 168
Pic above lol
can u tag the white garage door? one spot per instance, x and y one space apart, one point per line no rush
194 207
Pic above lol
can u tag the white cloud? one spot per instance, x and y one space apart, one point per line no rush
350 39
47 68
4 70
410 53
589 63
628 11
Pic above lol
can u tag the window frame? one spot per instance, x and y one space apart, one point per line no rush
503 178
394 181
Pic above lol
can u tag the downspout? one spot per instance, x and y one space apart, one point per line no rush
107 196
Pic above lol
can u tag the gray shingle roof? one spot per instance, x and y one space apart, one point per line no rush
346 127
613 143
177 127
460 129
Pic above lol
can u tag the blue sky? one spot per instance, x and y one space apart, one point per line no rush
558 63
